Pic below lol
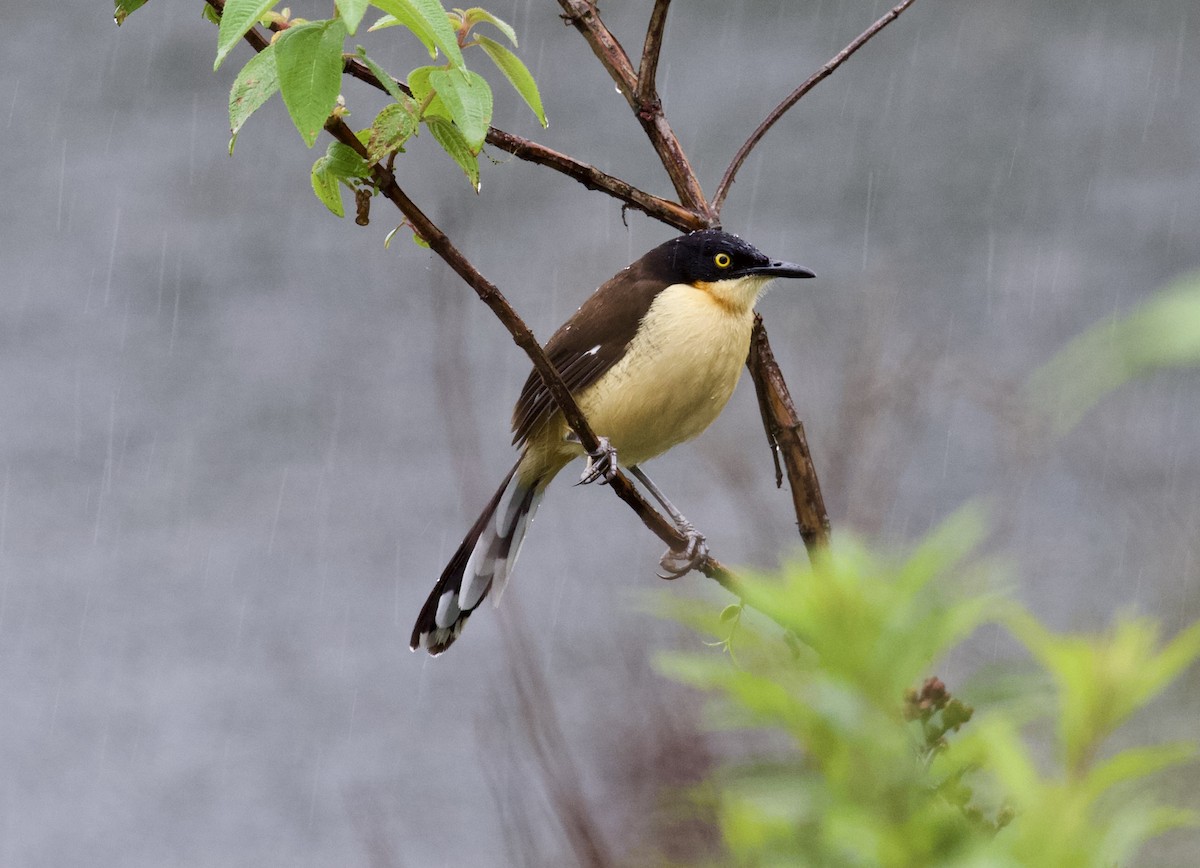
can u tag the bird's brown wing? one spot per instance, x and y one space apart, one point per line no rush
590 342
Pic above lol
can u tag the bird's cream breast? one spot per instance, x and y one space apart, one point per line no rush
678 372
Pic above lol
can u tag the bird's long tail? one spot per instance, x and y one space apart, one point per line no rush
483 562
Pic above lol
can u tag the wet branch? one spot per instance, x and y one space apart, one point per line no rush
663 210
784 430
648 71
794 97
524 338
584 17
785 434
521 334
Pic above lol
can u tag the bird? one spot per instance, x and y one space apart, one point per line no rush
651 358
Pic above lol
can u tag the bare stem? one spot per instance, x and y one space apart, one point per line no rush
648 72
663 210
794 97
583 15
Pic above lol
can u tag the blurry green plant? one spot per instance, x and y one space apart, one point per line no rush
882 765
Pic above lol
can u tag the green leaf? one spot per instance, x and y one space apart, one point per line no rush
427 19
254 85
344 162
340 164
391 129
389 83
423 92
453 143
309 61
417 27
1163 332
327 187
476 15
516 73
469 99
238 17
124 8
1137 762
352 12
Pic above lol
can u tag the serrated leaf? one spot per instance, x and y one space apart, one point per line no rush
417 27
327 187
516 73
423 92
391 129
469 99
427 19
254 85
237 17
476 15
352 12
453 143
124 8
308 58
343 161
389 83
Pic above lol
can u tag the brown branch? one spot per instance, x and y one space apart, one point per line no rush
582 14
648 71
664 210
524 338
794 97
785 431
784 428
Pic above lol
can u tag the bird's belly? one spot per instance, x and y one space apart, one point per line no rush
674 379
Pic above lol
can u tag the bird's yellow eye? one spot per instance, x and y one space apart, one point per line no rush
722 260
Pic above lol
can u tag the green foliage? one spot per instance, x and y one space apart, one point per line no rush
393 126
1163 332
468 99
309 60
453 143
124 7
429 22
238 17
476 15
516 73
352 12
340 165
305 63
255 84
886 766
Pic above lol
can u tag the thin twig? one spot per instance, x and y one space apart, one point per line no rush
647 76
794 97
582 14
663 210
524 338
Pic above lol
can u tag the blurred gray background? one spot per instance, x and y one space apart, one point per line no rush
240 438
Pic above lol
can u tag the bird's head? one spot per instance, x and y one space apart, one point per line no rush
732 270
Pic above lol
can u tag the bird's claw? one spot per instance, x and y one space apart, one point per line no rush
675 564
602 464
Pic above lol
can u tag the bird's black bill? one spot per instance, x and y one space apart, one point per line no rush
780 269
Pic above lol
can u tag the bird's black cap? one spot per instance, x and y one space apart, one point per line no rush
711 255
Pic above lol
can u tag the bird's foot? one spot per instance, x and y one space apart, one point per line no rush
602 464
678 563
